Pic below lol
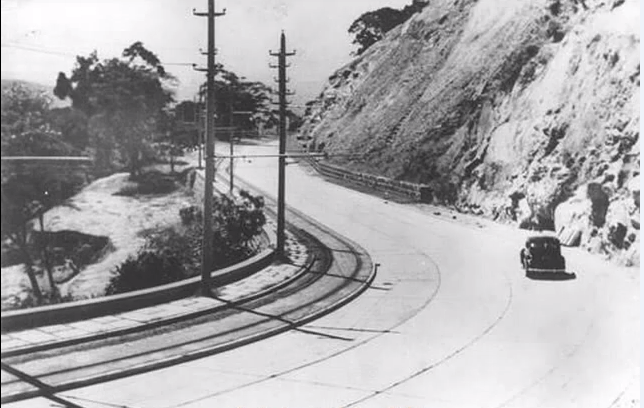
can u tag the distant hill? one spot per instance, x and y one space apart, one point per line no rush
36 87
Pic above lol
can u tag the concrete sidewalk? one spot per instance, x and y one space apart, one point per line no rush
131 320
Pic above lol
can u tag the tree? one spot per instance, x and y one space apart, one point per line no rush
124 99
72 124
295 121
26 128
234 93
236 222
17 210
372 26
184 122
27 131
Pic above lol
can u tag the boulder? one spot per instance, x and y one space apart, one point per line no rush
572 220
634 189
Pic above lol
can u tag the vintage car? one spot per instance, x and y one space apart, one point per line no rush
542 254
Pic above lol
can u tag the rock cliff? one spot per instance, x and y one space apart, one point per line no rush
526 111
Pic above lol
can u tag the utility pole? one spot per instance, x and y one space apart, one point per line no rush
233 130
200 118
195 120
170 136
207 241
283 92
231 135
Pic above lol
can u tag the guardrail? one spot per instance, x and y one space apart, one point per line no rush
417 192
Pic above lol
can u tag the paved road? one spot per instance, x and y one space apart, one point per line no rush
449 322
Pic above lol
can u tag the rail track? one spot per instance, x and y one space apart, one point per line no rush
341 271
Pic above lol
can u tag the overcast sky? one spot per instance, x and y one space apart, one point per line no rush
41 37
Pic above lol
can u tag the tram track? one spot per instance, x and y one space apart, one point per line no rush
337 276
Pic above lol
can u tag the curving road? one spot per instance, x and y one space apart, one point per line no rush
450 321
335 272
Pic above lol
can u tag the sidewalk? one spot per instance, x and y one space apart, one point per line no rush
77 331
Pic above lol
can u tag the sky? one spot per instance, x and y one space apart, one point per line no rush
42 37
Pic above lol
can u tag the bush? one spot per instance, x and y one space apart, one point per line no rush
235 225
82 249
183 245
150 182
190 215
173 254
146 270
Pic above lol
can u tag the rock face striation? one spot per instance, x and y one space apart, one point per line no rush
526 111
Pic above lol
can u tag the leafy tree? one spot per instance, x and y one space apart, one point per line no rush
186 111
185 124
72 124
27 131
17 211
26 197
234 93
372 26
295 121
236 223
124 99
22 109
26 128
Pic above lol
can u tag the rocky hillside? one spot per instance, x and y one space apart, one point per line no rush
526 111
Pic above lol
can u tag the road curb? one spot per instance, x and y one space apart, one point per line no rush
157 323
86 309
364 266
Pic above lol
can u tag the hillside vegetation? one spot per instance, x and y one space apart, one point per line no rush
526 111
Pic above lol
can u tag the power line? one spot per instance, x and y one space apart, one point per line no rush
38 50
66 54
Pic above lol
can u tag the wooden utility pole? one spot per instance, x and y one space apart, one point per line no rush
283 92
207 241
200 126
232 141
231 136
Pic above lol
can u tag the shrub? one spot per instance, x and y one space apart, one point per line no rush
236 224
147 269
155 182
150 182
190 215
182 245
174 254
